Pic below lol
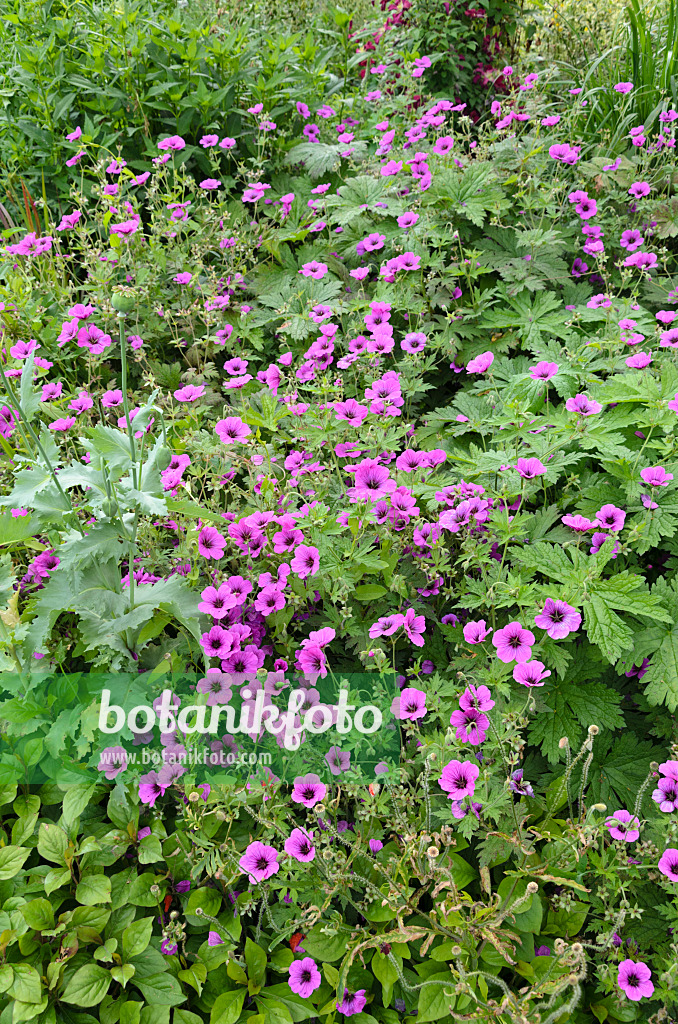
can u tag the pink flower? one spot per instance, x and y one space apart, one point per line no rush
211 543
475 632
528 469
300 845
558 618
409 704
583 405
623 87
458 779
210 184
623 826
513 643
668 864
308 790
189 393
471 726
306 561
530 673
232 430
372 481
314 269
481 363
414 626
304 976
259 862
640 189
656 476
544 371
387 625
634 980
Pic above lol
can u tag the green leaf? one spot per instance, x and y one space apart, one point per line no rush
88 986
93 890
162 989
435 1000
255 958
38 914
136 937
369 592
12 859
26 985
298 1009
228 1006
52 843
606 629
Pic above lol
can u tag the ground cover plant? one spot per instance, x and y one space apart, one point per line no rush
356 395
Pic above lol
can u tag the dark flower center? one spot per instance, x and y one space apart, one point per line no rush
262 864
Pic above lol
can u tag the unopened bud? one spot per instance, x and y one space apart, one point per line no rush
432 852
593 730
564 742
599 807
532 887
194 797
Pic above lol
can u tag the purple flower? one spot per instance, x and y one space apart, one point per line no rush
624 826
531 673
516 784
542 951
513 643
558 618
353 1002
471 726
338 760
414 626
214 939
259 861
308 790
634 980
611 518
623 87
656 476
151 786
475 632
668 864
113 761
211 543
304 977
597 541
306 561
168 947
409 704
631 239
583 405
299 845
189 393
640 189
458 779
375 845
528 469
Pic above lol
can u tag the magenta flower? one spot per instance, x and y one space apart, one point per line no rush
558 618
168 947
640 189
306 561
217 602
414 626
481 363
471 726
217 685
623 87
299 845
668 864
544 371
62 424
458 779
578 523
372 481
634 980
259 862
528 469
409 704
623 826
151 786
174 142
666 795
214 939
531 673
217 642
189 393
639 361
308 790
476 697
304 977
656 476
611 518
211 543
513 643
475 632
314 269
232 430
583 405
353 1002
631 239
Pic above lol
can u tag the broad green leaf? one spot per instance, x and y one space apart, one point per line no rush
88 986
12 859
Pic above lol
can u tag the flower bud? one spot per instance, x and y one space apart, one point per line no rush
564 742
593 730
